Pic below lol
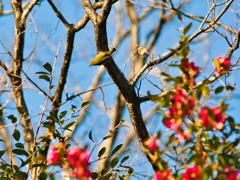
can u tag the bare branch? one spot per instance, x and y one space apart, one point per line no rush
59 14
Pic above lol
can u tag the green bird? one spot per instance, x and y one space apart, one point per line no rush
102 57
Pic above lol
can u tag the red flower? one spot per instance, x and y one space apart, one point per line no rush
222 64
212 117
53 156
163 175
151 143
193 173
231 174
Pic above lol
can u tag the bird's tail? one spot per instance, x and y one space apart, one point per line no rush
111 51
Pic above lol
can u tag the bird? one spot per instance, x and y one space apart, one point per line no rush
102 57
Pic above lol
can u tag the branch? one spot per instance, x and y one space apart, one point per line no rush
64 71
10 11
87 5
28 9
88 96
59 14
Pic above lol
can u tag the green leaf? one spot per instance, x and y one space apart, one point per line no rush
19 145
109 175
90 136
219 89
116 149
20 152
122 121
174 65
186 29
231 88
24 163
114 162
94 175
48 67
85 103
40 165
16 135
120 177
13 118
73 108
46 125
69 125
124 159
52 86
106 137
41 72
62 114
130 170
43 176
104 171
16 168
231 123
20 110
216 63
45 77
101 152
2 153
165 74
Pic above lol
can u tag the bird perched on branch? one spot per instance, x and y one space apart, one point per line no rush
102 57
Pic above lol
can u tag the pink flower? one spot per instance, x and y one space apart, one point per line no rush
183 135
190 68
163 175
231 173
53 156
182 105
222 64
190 72
77 157
212 117
193 173
173 123
151 143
